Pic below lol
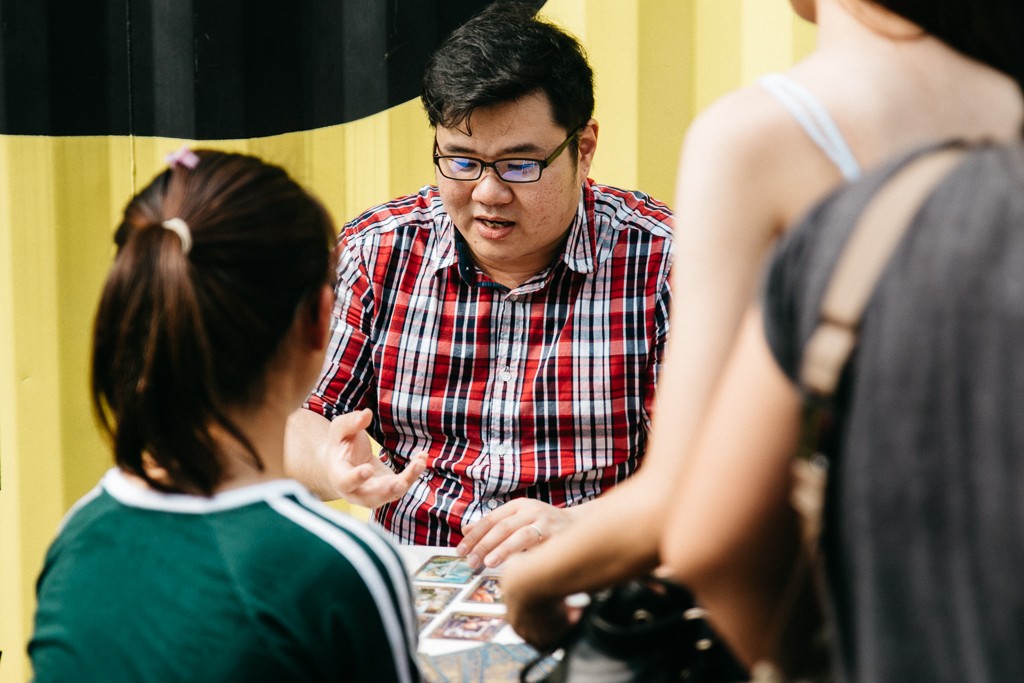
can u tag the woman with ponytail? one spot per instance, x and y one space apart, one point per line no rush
194 559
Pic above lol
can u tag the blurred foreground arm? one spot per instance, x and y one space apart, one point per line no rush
732 534
720 244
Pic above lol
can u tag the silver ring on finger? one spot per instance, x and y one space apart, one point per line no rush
540 534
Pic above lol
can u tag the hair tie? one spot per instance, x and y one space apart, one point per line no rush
183 157
180 228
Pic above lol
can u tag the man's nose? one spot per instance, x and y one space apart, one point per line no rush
491 189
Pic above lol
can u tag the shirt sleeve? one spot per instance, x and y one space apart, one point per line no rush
664 305
346 382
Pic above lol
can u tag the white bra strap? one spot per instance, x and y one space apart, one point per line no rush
815 120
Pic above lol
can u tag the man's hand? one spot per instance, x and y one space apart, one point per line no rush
541 619
343 465
517 525
358 475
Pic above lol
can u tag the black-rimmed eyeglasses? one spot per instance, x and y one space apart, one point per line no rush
509 170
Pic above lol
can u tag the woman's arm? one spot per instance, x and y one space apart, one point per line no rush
732 535
727 215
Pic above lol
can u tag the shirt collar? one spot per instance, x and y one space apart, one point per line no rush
579 253
133 495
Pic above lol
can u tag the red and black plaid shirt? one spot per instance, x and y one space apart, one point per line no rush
544 390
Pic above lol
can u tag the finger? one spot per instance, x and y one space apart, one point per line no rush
378 484
340 428
474 531
348 424
350 480
401 482
532 524
516 540
473 534
415 467
484 535
503 538
373 493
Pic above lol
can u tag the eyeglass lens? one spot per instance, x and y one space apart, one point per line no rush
511 170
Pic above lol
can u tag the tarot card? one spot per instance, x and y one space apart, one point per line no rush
487 589
423 619
432 599
467 626
444 569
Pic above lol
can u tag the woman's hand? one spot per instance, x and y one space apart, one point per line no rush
540 618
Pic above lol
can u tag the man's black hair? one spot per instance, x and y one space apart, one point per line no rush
500 55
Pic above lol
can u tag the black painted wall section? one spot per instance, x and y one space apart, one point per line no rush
212 69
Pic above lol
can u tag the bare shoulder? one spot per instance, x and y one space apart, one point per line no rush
747 145
743 123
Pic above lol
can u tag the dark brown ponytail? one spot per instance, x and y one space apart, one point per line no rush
192 311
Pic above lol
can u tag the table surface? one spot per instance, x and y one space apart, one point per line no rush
447 660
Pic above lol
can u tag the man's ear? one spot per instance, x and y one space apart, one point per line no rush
587 147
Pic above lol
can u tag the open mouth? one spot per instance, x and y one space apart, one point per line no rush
495 224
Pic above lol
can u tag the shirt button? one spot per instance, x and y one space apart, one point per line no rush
492 504
506 376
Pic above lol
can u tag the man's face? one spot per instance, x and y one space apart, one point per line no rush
514 230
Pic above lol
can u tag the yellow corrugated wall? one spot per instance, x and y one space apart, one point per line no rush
657 63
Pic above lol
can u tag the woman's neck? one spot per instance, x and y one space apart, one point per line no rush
894 72
264 428
841 22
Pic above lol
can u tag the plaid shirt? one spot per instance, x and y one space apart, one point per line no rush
544 390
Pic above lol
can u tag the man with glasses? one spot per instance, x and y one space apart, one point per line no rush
499 335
